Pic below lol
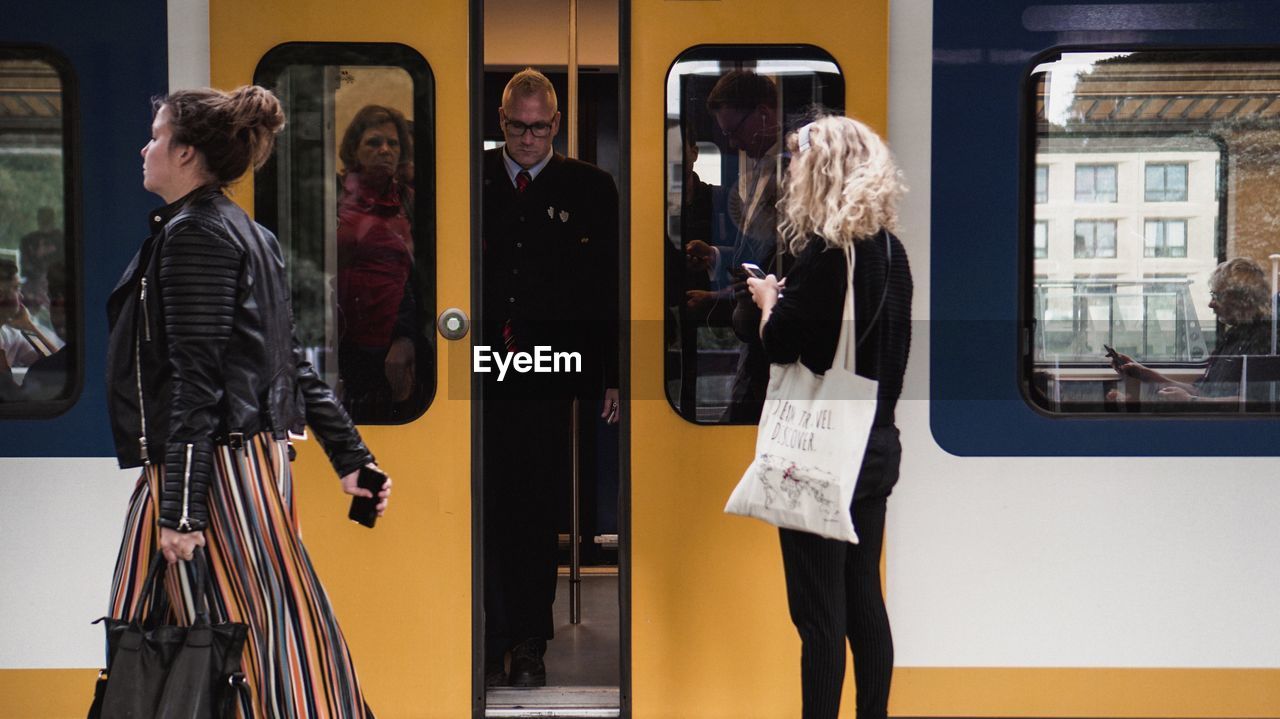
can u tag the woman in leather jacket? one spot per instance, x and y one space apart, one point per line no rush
841 193
204 381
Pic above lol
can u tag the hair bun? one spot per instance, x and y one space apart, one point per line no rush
255 106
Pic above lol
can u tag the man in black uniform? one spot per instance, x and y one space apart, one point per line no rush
550 276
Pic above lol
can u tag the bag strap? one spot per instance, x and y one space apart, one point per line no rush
845 354
151 590
888 267
147 593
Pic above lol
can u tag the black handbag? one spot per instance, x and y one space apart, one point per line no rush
162 671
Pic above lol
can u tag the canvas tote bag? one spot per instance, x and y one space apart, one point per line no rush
813 433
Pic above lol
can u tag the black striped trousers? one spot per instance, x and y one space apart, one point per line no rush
833 591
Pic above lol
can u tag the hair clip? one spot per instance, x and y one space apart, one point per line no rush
804 136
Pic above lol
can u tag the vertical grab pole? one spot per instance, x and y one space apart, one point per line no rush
571 117
575 539
1275 287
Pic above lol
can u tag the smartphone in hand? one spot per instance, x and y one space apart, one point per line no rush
364 510
753 270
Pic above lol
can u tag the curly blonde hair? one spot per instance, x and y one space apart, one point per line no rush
844 187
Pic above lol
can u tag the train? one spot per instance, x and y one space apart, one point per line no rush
1063 542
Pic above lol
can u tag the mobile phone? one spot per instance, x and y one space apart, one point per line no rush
364 510
1111 351
753 270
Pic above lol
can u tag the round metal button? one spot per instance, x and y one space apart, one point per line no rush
453 324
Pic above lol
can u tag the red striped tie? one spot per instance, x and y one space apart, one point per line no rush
522 181
509 337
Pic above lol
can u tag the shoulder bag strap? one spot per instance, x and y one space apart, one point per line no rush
845 355
888 265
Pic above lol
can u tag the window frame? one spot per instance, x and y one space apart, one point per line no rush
1042 191
1040 251
726 52
1094 167
1152 251
1028 160
1095 222
72 228
373 54
1164 168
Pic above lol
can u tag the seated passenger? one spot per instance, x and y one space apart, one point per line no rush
1240 296
48 377
22 339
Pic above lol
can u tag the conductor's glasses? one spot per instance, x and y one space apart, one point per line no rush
518 129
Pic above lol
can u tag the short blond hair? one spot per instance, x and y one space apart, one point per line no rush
527 83
843 187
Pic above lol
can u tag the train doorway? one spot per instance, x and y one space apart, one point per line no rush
550 569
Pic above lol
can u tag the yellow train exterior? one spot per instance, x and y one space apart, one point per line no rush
709 630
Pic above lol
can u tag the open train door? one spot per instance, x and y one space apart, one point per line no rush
710 633
402 592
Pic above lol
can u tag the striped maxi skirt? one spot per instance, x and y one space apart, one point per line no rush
296 660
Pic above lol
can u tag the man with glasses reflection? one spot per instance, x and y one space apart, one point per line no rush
744 106
745 112
550 280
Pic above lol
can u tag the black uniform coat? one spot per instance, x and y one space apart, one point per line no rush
551 269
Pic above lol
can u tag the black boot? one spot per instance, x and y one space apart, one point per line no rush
527 669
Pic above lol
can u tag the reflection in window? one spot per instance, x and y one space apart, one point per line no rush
1042 184
1095 238
1165 238
1095 183
1187 298
346 196
727 111
1166 182
37 366
1042 240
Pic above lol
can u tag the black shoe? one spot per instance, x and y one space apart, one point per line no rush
494 674
527 669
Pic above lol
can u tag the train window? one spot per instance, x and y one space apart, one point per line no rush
40 351
350 193
727 111
1164 298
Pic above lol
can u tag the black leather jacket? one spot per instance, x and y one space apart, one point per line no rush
202 352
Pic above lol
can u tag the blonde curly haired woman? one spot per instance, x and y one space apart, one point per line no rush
841 192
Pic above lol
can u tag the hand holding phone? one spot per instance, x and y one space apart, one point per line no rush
364 510
753 270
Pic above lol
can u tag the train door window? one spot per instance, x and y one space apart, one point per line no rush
728 109
40 351
350 193
1166 301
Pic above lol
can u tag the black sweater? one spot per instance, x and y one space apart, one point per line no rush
805 323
